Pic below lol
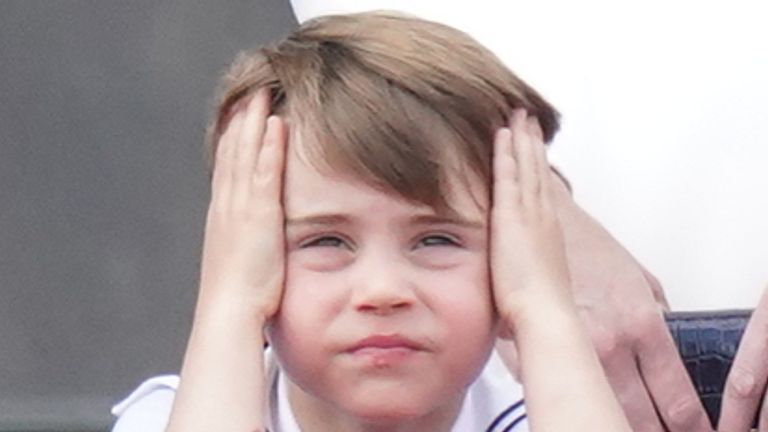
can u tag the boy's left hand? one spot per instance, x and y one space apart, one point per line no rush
528 262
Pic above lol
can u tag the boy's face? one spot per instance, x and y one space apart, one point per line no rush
387 312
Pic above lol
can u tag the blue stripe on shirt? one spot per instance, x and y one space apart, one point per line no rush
506 414
514 423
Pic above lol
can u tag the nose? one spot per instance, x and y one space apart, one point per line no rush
382 288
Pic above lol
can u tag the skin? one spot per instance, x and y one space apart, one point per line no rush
620 302
622 305
362 262
241 279
548 335
745 387
426 289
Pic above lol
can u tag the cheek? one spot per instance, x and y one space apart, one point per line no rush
299 332
466 307
440 258
320 259
466 286
310 302
464 296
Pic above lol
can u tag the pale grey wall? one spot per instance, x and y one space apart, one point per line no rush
103 191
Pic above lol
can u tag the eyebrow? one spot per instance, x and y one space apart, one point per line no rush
422 219
431 219
320 219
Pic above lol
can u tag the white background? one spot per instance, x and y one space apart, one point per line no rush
665 129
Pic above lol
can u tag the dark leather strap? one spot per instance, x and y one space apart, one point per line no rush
708 342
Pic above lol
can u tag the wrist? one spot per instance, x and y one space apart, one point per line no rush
536 312
221 309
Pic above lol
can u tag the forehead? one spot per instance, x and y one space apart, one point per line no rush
310 187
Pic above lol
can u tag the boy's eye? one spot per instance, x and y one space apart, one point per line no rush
325 241
438 240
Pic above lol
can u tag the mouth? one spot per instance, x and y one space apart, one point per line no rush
385 351
385 342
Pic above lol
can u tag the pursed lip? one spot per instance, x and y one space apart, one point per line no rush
384 342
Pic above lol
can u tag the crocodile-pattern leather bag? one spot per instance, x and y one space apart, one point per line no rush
707 342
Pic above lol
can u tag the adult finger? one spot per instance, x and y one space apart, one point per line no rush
620 365
624 376
763 420
746 381
656 289
666 378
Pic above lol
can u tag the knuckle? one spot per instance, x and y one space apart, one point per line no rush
741 382
683 413
606 343
644 324
645 423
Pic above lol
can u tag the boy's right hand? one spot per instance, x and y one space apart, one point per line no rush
222 381
243 258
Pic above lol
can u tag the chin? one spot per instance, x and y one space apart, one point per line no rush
383 414
404 405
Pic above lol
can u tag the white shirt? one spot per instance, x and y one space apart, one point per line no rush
665 132
494 403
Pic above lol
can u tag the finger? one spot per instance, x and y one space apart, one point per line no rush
222 170
249 141
505 173
251 134
746 381
535 129
656 289
631 392
540 157
271 160
525 157
763 421
667 380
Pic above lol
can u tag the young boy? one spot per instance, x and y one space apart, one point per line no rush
380 214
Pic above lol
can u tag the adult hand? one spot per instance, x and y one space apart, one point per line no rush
745 387
622 305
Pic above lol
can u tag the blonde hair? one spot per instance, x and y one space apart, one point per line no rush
386 97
